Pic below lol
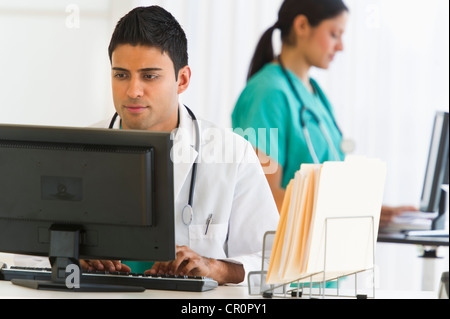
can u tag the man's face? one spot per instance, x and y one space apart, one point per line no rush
145 89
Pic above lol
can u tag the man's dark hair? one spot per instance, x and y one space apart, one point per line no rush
152 26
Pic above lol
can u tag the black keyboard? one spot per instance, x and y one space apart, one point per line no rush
159 282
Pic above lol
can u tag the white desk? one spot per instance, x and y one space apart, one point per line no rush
11 291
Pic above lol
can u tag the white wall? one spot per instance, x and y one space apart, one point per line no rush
385 86
54 62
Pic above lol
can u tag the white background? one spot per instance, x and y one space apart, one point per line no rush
385 87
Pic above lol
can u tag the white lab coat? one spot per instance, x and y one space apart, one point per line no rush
231 185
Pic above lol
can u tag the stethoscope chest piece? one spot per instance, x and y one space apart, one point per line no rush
187 215
348 146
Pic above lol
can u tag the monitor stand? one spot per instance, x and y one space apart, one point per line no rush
440 222
438 225
64 255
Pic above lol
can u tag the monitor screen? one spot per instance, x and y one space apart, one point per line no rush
115 188
436 172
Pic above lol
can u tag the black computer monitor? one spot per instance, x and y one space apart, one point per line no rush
73 193
437 167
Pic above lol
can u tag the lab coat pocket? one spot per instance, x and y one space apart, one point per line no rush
212 243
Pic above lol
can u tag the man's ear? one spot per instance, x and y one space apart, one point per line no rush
184 78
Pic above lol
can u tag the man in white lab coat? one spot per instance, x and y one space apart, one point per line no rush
232 203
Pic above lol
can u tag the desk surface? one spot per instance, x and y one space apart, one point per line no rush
400 238
11 291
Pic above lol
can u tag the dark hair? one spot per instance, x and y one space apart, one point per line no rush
152 26
315 10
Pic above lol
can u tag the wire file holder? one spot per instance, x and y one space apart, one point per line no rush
317 280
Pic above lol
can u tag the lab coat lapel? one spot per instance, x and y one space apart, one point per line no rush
184 153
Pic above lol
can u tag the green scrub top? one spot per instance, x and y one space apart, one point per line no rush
268 102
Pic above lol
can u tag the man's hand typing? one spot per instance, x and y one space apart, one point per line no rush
104 265
189 263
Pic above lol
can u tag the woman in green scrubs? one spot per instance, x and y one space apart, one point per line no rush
279 87
311 34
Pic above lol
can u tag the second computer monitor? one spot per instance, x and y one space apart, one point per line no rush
437 167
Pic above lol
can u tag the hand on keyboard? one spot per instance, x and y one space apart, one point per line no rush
189 263
388 214
104 265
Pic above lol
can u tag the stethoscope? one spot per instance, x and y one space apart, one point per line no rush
187 213
347 146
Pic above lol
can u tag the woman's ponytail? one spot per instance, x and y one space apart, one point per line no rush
315 10
263 53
